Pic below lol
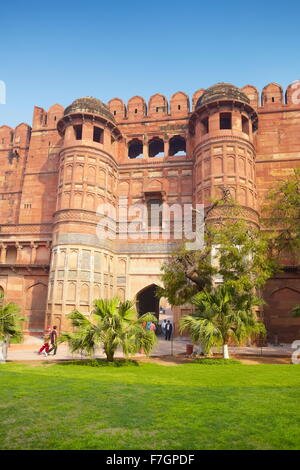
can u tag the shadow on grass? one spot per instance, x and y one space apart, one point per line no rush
101 363
216 362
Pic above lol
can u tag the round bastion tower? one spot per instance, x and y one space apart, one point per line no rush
82 266
222 130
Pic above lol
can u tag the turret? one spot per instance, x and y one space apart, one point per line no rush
222 130
82 265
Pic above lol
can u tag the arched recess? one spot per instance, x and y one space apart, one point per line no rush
36 298
135 148
11 255
177 146
147 301
283 300
42 255
156 147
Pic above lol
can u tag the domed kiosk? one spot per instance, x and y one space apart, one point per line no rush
88 109
222 92
89 105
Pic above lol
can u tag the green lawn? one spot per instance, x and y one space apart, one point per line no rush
190 406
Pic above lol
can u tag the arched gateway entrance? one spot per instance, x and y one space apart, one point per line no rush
146 300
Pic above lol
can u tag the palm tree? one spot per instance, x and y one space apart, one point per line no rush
113 324
221 315
10 325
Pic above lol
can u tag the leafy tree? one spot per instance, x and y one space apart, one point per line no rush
185 273
282 217
233 251
112 324
10 325
222 315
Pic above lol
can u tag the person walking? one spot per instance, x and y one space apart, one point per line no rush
163 327
46 343
169 328
53 340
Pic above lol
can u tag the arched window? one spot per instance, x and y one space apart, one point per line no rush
156 147
135 149
78 131
245 125
177 146
98 135
225 121
205 126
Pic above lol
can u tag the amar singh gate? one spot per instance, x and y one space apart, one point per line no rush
55 174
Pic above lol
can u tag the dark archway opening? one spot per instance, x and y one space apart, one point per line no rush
135 148
177 146
146 301
156 147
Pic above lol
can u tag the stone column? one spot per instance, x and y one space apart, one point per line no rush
19 253
33 252
166 148
3 254
145 147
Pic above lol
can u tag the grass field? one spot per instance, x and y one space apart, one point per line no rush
189 406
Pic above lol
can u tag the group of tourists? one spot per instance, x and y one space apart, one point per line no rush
149 325
166 328
50 338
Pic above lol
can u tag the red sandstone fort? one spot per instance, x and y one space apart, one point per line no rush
55 174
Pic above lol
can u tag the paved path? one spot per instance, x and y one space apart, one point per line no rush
28 350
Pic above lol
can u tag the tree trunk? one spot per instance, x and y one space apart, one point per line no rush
225 351
3 350
110 356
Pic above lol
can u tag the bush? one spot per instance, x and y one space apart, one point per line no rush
101 363
216 362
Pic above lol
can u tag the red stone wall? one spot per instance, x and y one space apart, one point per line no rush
39 182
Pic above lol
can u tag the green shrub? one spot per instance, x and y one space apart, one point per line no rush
216 362
102 363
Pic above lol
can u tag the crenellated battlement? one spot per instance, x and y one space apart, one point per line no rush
158 106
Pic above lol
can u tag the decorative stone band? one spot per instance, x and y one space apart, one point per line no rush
115 246
246 213
76 215
209 140
27 229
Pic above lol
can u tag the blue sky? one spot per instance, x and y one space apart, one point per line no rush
54 52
